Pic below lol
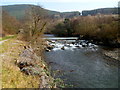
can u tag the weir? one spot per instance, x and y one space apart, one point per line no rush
61 38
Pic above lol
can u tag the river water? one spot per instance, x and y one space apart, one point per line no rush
82 67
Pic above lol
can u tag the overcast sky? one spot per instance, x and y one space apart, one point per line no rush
66 5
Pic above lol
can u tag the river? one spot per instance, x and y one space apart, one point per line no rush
81 66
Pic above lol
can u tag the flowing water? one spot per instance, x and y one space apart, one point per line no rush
80 66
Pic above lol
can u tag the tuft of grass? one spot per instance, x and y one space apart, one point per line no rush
12 77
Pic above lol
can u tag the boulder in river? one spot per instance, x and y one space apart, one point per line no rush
47 50
83 45
50 47
77 46
63 48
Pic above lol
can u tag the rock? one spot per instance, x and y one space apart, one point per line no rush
22 64
83 45
32 70
53 41
77 46
53 46
50 47
63 48
112 54
27 53
44 83
90 44
50 62
67 45
23 61
48 50
73 43
31 64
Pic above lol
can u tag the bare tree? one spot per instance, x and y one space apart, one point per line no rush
34 26
35 23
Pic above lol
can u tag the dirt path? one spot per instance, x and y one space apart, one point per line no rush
2 41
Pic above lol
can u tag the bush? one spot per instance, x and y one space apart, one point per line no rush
100 27
63 29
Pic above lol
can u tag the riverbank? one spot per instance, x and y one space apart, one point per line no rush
102 42
112 54
22 68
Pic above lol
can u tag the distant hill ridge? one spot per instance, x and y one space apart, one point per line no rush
100 11
18 11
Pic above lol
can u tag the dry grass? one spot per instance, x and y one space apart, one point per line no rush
12 77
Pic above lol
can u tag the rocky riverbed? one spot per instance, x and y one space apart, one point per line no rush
53 45
69 45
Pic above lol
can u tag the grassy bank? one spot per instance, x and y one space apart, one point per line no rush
12 77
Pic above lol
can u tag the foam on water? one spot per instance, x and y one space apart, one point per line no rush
67 45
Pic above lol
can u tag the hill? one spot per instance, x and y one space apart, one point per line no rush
100 11
18 11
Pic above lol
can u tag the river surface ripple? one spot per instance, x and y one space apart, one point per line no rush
82 67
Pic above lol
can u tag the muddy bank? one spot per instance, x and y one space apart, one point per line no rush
112 54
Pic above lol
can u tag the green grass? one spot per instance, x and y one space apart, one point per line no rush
8 37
